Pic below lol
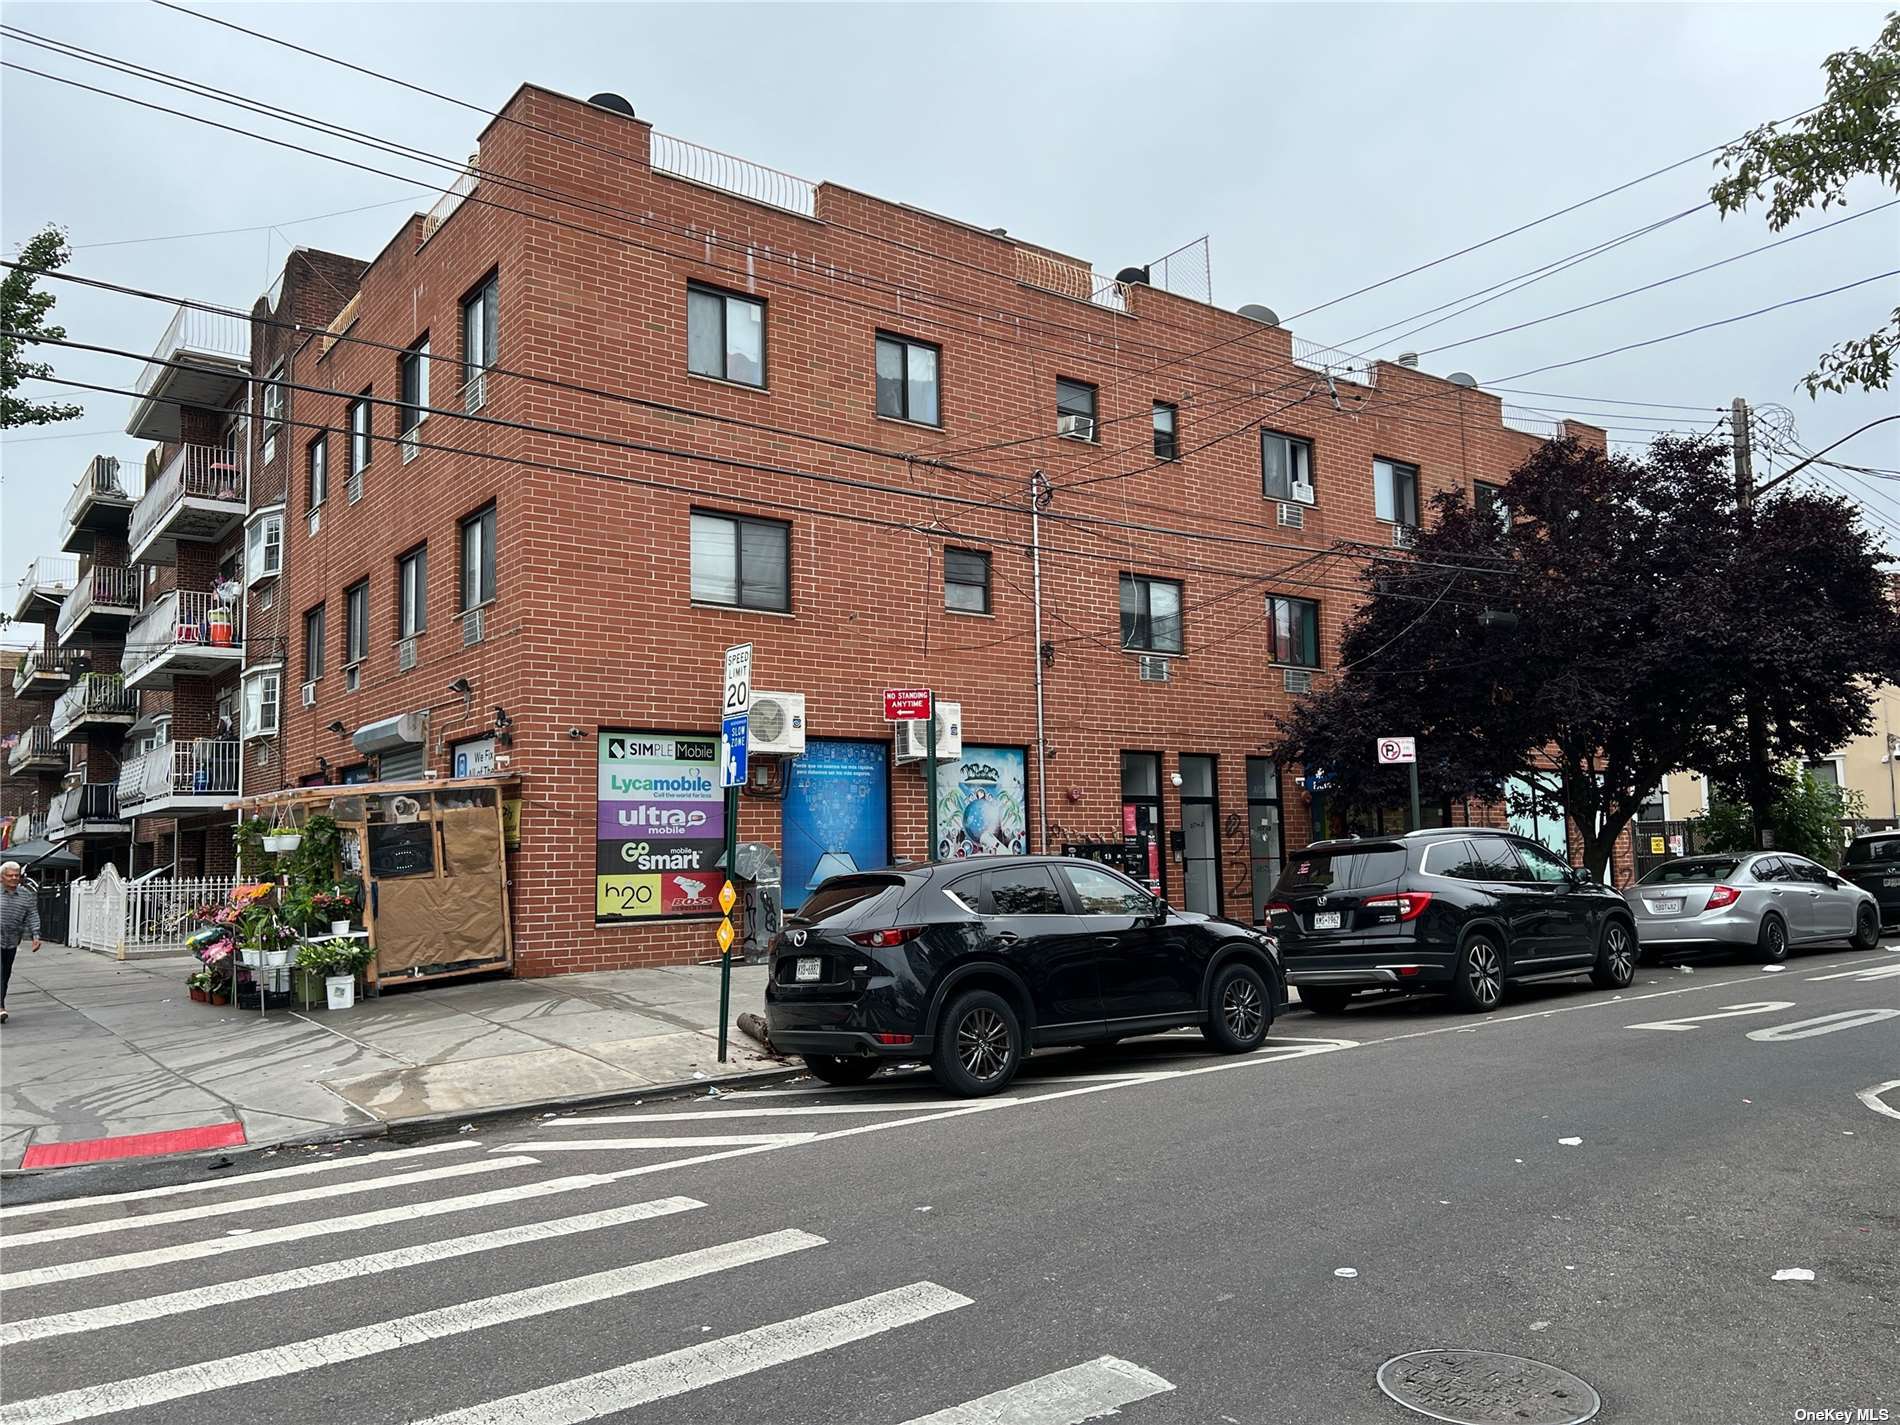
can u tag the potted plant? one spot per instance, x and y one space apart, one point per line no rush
340 961
198 986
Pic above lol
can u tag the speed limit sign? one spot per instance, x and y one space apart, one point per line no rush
1397 749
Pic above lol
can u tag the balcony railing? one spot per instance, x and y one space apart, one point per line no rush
196 628
100 482
196 472
196 332
29 826
96 695
202 767
104 586
452 197
1070 279
1331 361
81 805
51 575
36 745
735 175
48 663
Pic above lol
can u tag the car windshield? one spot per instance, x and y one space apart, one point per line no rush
1882 848
843 893
1342 869
1700 868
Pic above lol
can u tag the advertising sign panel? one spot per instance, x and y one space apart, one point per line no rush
661 826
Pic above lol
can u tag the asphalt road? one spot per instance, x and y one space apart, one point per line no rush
1154 1229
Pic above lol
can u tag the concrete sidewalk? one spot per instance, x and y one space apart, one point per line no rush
97 1048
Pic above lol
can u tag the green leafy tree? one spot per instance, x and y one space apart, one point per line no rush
23 310
1854 132
1805 817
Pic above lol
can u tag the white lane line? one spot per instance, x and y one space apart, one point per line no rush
259 1203
1826 1024
294 1232
1067 1397
711 1140
1874 1098
609 1392
1734 1011
801 1111
203 1186
1879 972
175 1303
143 1392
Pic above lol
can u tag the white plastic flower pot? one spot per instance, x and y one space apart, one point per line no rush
276 959
341 990
339 927
247 956
279 841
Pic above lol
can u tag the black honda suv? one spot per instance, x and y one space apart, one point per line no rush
1461 909
970 963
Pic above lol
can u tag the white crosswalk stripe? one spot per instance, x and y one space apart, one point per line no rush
294 1232
200 1187
695 1367
812 1110
1067 1397
143 1392
174 1303
198 1211
718 1140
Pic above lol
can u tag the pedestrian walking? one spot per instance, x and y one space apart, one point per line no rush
19 918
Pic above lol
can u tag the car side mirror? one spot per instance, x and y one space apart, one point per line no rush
1157 913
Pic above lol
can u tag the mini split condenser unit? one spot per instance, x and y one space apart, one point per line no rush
776 724
913 738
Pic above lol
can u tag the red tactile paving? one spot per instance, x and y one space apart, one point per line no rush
132 1145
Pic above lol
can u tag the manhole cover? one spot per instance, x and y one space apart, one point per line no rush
1486 1388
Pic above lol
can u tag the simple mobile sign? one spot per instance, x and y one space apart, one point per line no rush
906 704
1397 749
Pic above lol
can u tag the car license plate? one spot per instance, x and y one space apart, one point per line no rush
809 967
1891 881
1325 920
1668 907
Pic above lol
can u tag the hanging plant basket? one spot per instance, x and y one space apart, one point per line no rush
277 842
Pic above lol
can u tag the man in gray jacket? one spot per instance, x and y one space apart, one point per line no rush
19 918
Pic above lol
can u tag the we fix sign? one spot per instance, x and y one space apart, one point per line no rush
906 704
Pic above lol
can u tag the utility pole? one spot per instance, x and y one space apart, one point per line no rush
1756 777
1038 493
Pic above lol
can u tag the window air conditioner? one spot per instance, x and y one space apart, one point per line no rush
1297 680
1303 492
353 677
410 449
405 655
1153 670
913 738
1404 536
315 522
310 694
776 724
473 623
1292 516
1076 427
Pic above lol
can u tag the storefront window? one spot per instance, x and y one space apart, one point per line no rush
1266 831
1200 835
1141 819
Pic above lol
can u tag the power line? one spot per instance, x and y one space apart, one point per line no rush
256 228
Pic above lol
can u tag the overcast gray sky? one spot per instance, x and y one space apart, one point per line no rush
1319 146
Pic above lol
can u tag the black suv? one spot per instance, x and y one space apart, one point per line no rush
970 963
1463 909
1872 862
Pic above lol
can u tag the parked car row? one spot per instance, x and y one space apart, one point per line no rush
971 964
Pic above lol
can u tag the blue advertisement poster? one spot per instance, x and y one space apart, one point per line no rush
837 814
983 804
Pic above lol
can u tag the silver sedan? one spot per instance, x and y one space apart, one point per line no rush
1765 902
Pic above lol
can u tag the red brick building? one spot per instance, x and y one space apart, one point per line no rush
593 420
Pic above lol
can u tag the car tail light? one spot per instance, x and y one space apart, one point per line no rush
880 939
893 1038
1279 908
1721 896
1409 904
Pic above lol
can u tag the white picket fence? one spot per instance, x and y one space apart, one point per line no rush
110 914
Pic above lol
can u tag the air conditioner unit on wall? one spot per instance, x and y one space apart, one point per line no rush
405 655
1297 680
1404 536
473 625
1303 492
310 695
913 738
1153 670
1076 427
776 724
1292 516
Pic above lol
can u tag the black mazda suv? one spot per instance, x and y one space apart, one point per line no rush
1463 909
969 964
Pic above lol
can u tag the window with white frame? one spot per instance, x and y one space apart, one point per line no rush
317 473
263 698
264 545
359 444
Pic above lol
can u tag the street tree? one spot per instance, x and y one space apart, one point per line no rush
23 311
1805 816
1599 638
1854 132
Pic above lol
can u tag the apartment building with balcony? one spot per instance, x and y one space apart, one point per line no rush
558 458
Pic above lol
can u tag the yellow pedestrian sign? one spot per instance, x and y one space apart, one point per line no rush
725 935
726 897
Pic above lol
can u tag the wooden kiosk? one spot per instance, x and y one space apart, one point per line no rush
432 859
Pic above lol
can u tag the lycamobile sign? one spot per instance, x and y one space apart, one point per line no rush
661 827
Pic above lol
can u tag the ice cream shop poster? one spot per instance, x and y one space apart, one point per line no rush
662 827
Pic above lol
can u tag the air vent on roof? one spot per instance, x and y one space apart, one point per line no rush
613 102
1462 378
1133 274
1409 358
1261 314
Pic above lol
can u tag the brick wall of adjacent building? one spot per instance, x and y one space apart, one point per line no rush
594 626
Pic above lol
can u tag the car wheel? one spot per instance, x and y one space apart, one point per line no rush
1324 1000
979 1044
1866 929
1771 945
1240 1011
1617 954
1479 982
837 1069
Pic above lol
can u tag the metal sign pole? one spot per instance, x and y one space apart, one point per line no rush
930 785
725 955
1412 767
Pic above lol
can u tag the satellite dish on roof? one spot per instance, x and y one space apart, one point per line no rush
1262 314
1462 378
614 102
